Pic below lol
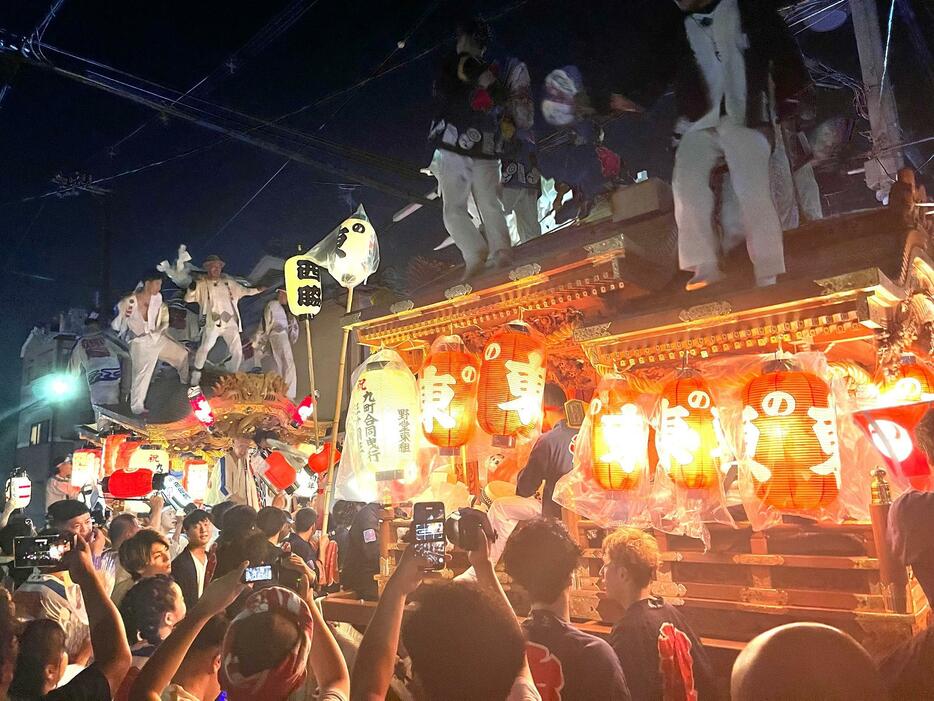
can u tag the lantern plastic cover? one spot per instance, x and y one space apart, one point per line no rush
627 447
687 492
447 387
350 252
384 458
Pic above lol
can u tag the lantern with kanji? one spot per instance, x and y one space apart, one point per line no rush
512 383
197 473
379 461
688 438
149 457
447 386
910 382
790 438
125 451
619 436
85 466
303 285
111 451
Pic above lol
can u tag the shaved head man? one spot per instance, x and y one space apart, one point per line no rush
803 662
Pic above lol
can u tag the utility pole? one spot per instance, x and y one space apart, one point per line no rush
883 112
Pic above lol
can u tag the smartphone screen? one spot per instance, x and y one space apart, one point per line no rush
260 573
428 523
44 552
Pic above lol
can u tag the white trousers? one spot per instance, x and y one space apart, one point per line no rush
747 153
459 176
212 334
505 514
281 351
145 353
523 202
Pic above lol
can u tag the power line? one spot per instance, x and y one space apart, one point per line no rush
246 204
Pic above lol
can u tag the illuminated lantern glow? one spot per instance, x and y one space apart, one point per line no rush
790 439
197 474
512 382
892 431
111 451
350 252
278 472
383 429
129 484
149 457
689 436
201 407
910 383
318 461
619 437
447 388
303 411
303 285
85 466
124 453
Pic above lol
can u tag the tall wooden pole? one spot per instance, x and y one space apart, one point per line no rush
338 403
311 378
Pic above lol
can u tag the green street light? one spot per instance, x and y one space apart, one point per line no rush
57 387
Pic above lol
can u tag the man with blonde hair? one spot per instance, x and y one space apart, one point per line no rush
660 654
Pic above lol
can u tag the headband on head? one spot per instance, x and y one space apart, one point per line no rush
278 682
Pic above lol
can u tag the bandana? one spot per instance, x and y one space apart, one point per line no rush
281 681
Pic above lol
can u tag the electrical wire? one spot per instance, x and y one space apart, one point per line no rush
246 204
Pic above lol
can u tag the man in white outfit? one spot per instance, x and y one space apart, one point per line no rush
278 332
731 53
141 320
217 296
466 131
99 355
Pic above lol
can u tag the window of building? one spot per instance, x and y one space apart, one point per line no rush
39 433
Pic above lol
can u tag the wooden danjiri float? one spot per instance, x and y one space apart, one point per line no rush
767 494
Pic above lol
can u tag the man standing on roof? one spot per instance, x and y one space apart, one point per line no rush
141 320
467 132
521 179
278 331
99 354
217 296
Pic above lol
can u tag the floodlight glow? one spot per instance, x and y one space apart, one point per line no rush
57 387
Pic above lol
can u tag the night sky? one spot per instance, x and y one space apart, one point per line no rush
49 124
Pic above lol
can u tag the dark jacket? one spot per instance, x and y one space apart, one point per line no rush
467 116
772 52
184 574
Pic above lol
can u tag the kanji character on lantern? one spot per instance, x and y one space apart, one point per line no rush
448 392
512 382
791 444
911 381
689 437
350 252
303 285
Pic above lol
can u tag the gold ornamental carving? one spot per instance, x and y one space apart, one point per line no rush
703 312
406 305
524 271
458 291
850 281
614 244
591 333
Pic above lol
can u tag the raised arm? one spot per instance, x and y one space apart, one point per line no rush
376 658
108 637
165 661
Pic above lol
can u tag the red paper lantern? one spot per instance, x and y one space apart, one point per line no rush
447 387
909 382
201 407
512 382
790 430
134 484
619 437
688 438
278 472
303 411
892 432
125 451
319 463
